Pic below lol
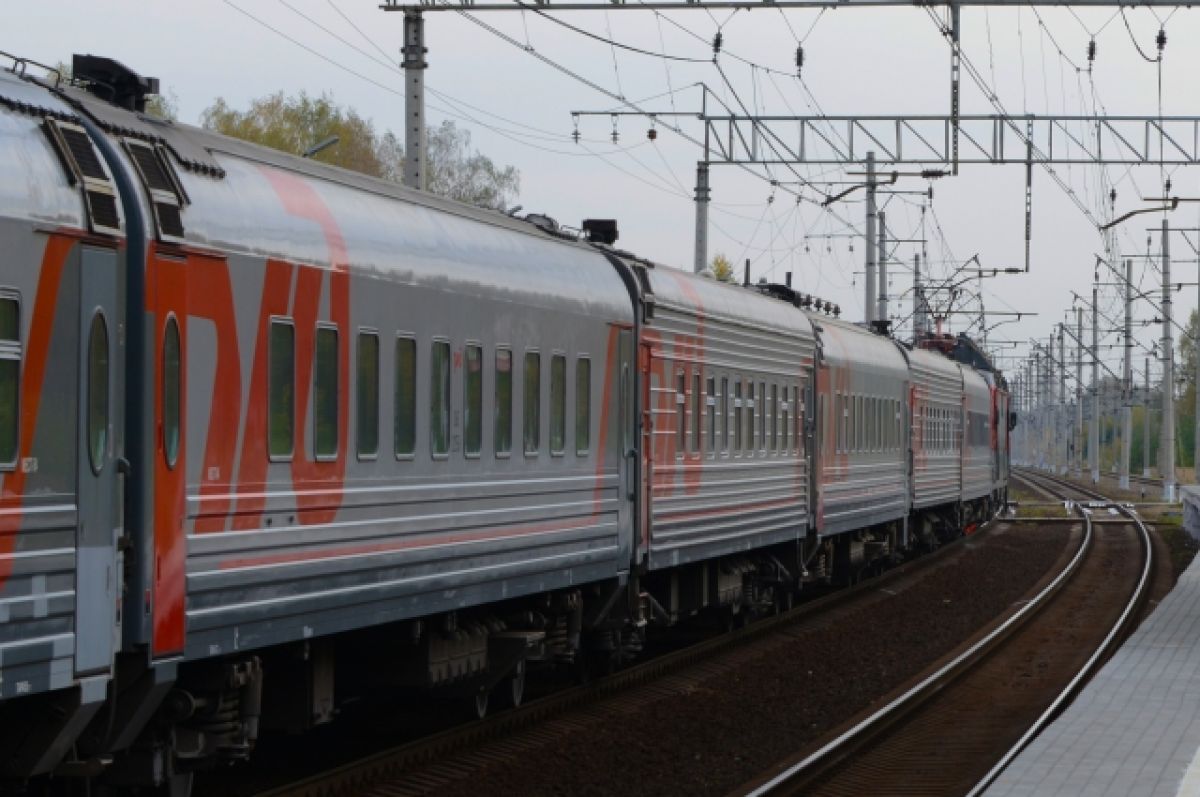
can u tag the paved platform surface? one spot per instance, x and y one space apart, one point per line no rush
1135 729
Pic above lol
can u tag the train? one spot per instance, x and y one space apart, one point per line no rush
274 433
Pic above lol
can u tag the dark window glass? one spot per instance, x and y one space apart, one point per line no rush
10 320
681 413
367 409
583 405
171 392
325 394
737 415
473 401
785 412
725 414
405 407
439 398
774 444
281 389
98 392
710 402
10 379
558 404
503 413
696 412
532 421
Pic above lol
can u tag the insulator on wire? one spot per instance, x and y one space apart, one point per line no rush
717 43
1092 50
1112 197
1161 39
575 124
799 59
615 135
651 133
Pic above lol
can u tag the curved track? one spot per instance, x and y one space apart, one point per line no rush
997 694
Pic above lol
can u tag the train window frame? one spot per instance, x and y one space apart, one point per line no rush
280 323
583 405
725 410
696 443
405 340
472 405
531 404
504 421
680 412
710 409
326 455
11 356
98 438
360 394
751 418
172 410
738 414
558 404
763 409
437 344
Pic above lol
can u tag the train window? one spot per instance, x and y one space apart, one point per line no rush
583 405
532 426
725 414
473 400
774 444
405 408
558 404
762 409
10 378
737 415
502 434
680 413
98 392
785 410
366 408
281 372
877 406
696 446
325 394
439 398
171 379
710 406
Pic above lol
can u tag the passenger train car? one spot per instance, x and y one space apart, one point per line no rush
273 433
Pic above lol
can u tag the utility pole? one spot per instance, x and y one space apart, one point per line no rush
1168 382
1060 432
1094 431
1146 424
414 99
703 194
871 302
881 259
1127 381
1077 431
918 299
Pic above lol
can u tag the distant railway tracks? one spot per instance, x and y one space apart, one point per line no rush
1003 688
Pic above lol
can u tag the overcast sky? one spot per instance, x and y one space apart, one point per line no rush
857 62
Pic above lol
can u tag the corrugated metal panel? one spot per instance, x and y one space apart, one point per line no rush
937 383
708 497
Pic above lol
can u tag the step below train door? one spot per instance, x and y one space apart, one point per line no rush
101 343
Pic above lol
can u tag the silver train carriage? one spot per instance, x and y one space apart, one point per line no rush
323 430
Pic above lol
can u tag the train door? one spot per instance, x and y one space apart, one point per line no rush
626 431
97 569
646 474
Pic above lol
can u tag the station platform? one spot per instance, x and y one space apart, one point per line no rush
1135 729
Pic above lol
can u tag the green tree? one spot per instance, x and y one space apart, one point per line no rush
294 124
722 268
1185 406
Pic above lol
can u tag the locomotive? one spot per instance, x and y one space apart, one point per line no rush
321 433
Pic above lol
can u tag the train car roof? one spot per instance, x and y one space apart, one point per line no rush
847 344
734 304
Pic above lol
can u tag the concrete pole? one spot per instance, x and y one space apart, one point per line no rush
702 197
1127 382
414 99
1146 424
1060 431
1168 390
1077 430
872 303
881 259
1094 431
918 320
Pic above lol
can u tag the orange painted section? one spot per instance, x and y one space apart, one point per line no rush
33 372
166 294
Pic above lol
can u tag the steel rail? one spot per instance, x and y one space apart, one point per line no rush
1068 693
829 752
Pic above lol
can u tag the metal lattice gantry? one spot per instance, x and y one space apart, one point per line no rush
926 140
744 5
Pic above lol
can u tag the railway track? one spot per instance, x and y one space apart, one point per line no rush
998 693
429 765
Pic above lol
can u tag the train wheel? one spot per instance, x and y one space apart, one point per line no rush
517 684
